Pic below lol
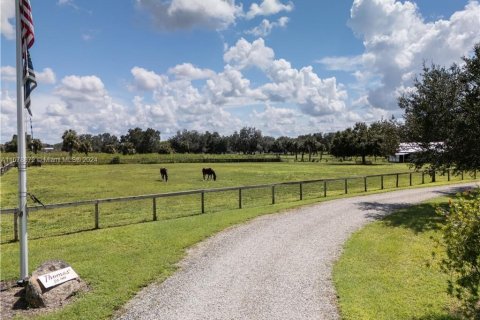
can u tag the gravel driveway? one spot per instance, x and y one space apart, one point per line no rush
274 267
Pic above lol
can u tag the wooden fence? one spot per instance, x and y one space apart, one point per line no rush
4 169
362 183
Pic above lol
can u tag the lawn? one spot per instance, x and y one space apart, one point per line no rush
68 183
117 262
387 270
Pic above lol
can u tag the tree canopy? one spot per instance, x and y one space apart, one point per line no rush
442 114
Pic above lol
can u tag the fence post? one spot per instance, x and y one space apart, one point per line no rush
301 191
381 182
365 183
423 178
475 174
410 179
273 194
15 225
154 209
325 188
97 216
462 174
203 201
396 182
239 198
448 174
346 186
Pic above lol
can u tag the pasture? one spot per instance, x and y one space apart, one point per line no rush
144 252
62 183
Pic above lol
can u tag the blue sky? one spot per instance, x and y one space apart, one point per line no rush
285 67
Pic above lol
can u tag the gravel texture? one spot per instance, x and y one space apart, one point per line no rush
274 267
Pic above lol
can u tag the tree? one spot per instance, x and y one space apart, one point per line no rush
365 142
249 140
147 141
387 134
85 147
35 145
165 148
11 146
343 144
70 141
442 114
127 148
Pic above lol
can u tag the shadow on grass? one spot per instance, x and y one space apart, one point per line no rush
419 218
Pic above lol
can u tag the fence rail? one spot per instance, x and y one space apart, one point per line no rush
342 185
4 168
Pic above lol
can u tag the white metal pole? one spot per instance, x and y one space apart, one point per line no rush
22 153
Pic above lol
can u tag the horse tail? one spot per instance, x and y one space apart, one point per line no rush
214 176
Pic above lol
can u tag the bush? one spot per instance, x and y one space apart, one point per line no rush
115 160
461 239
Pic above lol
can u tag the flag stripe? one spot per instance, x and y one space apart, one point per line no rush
28 38
28 34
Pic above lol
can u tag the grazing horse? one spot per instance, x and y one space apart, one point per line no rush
164 174
209 174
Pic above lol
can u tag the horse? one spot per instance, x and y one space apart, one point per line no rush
209 174
164 174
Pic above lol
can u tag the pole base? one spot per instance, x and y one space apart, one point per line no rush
22 282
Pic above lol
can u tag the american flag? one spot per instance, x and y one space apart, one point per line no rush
28 38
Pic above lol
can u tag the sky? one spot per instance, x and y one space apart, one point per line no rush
284 67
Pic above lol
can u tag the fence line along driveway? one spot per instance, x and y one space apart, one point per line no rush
274 267
362 181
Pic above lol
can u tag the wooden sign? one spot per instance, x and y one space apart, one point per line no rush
57 277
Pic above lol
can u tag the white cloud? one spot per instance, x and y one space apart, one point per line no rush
87 37
314 96
188 14
8 73
190 72
276 121
268 7
47 76
342 63
397 41
8 104
7 27
266 27
245 54
78 89
147 80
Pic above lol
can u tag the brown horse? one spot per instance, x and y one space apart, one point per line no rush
164 174
209 174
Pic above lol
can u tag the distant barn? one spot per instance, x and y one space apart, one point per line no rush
407 150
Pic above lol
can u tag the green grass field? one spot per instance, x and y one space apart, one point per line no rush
150 158
67 183
143 252
387 271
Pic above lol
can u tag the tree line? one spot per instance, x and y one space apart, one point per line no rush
380 138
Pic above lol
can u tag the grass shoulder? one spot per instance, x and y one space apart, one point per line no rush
386 269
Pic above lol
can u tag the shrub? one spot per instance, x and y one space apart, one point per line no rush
115 160
461 239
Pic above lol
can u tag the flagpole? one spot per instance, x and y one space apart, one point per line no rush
22 153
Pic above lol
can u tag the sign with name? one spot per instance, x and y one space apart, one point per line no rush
57 277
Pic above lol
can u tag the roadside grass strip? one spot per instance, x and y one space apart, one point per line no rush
387 271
